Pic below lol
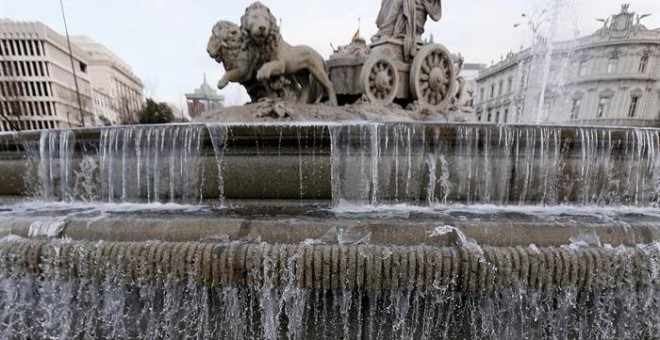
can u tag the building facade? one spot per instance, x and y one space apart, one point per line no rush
117 91
38 80
611 77
203 99
37 87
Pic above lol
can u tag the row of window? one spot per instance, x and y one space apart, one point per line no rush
500 89
128 100
24 68
21 47
613 65
28 108
500 116
28 125
30 89
603 107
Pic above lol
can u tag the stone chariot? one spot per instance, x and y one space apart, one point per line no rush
383 75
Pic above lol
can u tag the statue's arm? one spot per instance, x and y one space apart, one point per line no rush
434 9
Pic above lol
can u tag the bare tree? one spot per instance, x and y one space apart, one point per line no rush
126 111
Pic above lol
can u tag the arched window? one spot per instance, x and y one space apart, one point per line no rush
635 100
643 62
575 108
582 68
632 109
612 65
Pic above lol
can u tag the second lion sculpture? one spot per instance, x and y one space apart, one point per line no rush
276 57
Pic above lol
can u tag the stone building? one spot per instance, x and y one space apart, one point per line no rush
204 99
117 91
611 77
37 88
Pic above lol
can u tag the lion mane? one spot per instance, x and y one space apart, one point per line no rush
223 49
267 50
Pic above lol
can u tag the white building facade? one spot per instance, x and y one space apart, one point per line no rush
611 77
38 86
117 91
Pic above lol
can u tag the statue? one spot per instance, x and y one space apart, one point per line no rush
397 70
276 57
256 56
227 47
405 19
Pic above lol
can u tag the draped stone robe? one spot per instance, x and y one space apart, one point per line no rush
405 19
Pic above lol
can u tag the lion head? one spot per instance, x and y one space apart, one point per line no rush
260 25
225 37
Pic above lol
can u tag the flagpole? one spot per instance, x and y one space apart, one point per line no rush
73 66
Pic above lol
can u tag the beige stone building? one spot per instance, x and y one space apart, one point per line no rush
37 89
611 77
117 91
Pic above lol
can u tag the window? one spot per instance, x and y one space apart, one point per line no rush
490 114
510 84
497 116
506 116
632 110
603 106
83 67
481 94
582 68
575 108
612 65
492 91
501 87
642 63
545 109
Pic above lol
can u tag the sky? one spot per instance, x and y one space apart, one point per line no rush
164 41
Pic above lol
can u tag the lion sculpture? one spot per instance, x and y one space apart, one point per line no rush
227 47
275 57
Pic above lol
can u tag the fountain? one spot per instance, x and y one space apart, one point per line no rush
331 230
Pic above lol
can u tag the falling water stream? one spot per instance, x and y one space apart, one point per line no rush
342 286
369 164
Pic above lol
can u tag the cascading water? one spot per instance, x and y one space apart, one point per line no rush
248 277
389 164
369 164
326 292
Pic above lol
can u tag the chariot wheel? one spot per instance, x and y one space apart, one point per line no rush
432 76
379 80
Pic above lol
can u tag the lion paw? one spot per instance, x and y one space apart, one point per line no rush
262 75
222 84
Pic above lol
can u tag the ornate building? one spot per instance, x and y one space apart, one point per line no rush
611 77
204 99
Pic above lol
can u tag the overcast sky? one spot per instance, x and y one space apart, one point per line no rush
165 40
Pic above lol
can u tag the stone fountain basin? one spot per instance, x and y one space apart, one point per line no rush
362 163
459 248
